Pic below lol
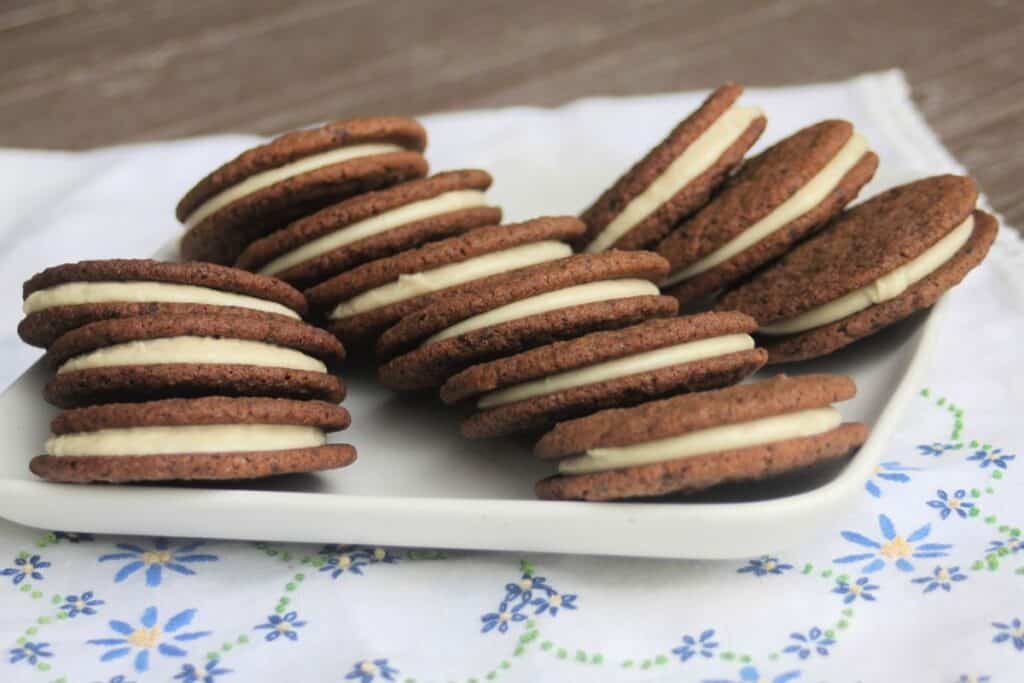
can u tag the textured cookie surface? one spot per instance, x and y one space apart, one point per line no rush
339 216
688 199
860 246
762 185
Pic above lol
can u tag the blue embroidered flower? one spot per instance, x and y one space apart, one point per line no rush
85 603
348 558
763 566
750 674
30 653
935 449
73 537
941 577
162 556
502 618
888 471
947 504
282 626
203 673
118 679
148 636
895 547
524 588
994 457
25 567
858 589
967 678
1014 632
368 670
1011 545
814 641
552 602
703 645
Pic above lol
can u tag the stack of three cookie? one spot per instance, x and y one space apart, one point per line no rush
172 371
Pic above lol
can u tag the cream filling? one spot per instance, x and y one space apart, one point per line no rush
232 438
578 295
418 284
258 181
701 442
805 199
410 213
887 287
204 350
695 160
75 293
620 367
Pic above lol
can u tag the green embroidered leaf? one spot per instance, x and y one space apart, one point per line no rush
581 656
561 653
546 645
597 659
661 659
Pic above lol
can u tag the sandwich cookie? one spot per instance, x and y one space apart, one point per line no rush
362 303
150 357
372 226
512 312
874 265
62 298
187 439
568 379
693 442
294 175
772 202
675 178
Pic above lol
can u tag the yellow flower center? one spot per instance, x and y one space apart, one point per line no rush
283 626
878 469
855 588
943 575
504 616
379 554
526 584
156 557
769 565
28 568
555 601
368 668
344 561
954 503
145 637
79 604
896 548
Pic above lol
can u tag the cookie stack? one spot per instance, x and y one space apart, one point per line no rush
171 371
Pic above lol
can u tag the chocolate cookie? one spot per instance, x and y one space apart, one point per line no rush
360 304
151 357
537 388
505 314
294 175
772 202
693 442
675 178
874 265
193 439
62 298
372 226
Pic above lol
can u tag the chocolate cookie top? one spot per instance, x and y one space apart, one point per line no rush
863 244
474 243
206 275
443 310
285 333
266 253
692 412
667 205
292 146
590 349
214 410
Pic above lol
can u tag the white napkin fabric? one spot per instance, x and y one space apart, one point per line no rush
923 580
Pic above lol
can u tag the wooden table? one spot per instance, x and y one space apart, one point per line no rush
80 74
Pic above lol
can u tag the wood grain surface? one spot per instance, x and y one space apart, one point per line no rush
77 74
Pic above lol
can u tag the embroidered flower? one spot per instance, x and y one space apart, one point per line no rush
1014 632
26 567
894 548
552 602
995 457
1011 545
30 653
703 645
888 471
339 559
858 589
148 636
367 670
941 577
85 603
764 565
118 679
814 641
947 504
203 673
967 678
935 449
73 537
502 618
524 588
282 626
750 674
162 556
